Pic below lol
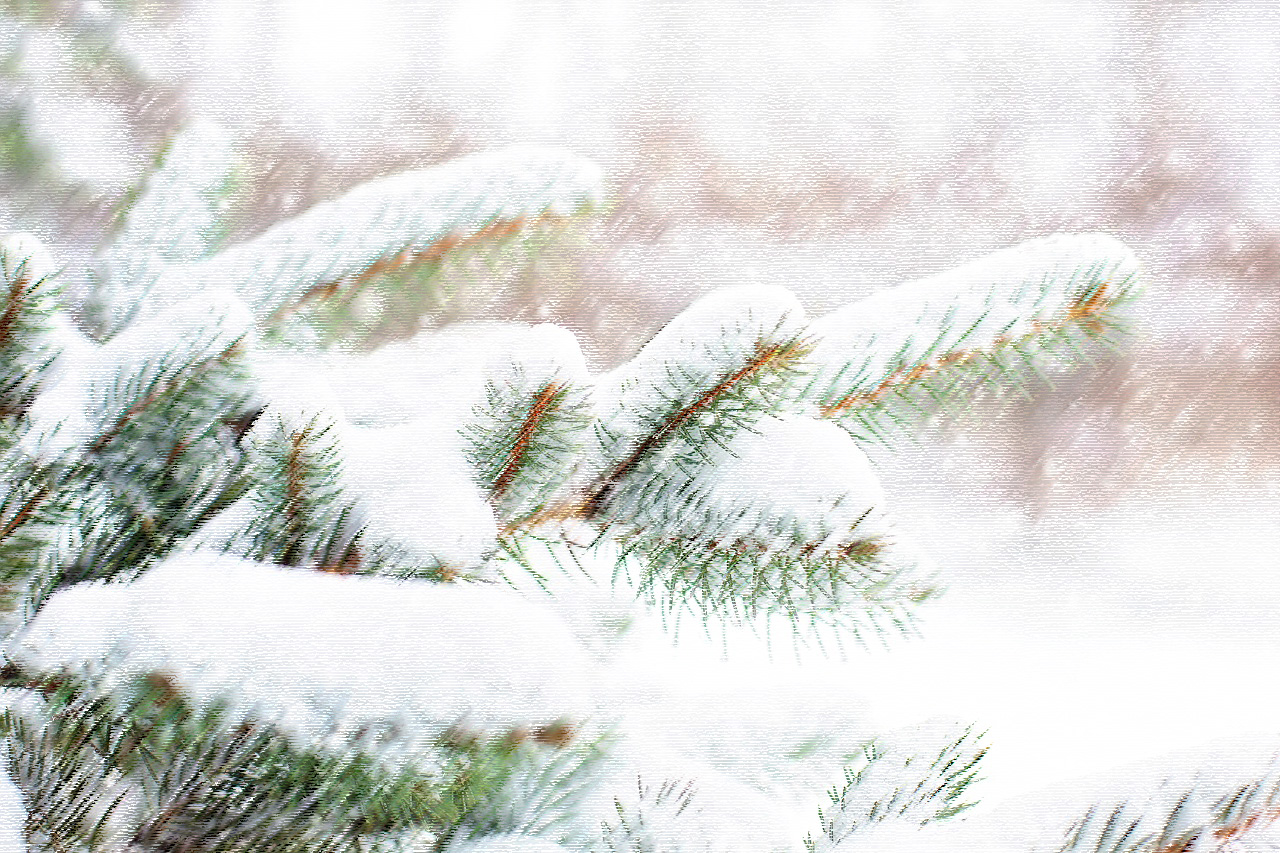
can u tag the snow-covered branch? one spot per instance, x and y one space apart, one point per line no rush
394 221
885 361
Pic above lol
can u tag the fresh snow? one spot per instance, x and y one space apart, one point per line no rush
304 648
718 332
795 477
446 371
396 415
416 487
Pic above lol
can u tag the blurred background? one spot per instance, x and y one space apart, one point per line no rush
1112 544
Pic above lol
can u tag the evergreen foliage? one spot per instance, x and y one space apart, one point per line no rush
887 785
720 470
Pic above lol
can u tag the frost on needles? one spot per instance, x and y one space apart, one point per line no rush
267 594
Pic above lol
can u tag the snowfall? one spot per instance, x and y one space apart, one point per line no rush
1110 612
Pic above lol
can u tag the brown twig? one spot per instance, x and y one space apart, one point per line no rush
765 356
543 404
293 492
10 316
23 514
1250 822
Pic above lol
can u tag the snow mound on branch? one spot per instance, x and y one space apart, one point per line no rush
399 412
705 345
415 486
304 648
446 372
716 334
801 478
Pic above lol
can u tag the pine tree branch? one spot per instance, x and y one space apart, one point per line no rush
895 358
298 511
200 778
918 784
395 219
525 440
1088 311
650 824
159 391
1246 824
30 303
24 513
349 286
543 404
541 789
769 357
294 495
855 590
13 306
1197 820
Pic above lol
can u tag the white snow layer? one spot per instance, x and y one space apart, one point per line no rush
95 386
506 844
397 414
446 371
303 648
795 476
417 488
1003 296
397 216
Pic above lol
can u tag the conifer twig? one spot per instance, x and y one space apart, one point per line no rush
543 402
156 393
350 285
768 356
1086 310
25 512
